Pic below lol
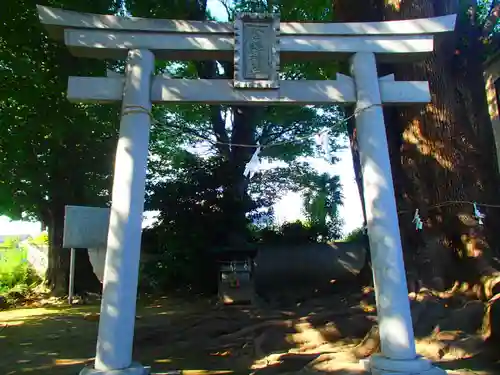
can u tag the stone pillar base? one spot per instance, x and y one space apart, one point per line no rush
134 369
380 365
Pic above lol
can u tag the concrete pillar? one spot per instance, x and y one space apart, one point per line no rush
116 325
395 324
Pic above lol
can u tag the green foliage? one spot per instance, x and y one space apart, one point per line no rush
191 222
295 11
55 153
356 235
47 143
199 209
15 272
207 200
297 232
484 18
290 10
322 197
289 129
482 12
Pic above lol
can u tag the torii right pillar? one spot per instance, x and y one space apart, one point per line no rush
398 353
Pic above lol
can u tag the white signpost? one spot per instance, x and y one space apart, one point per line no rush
84 228
256 43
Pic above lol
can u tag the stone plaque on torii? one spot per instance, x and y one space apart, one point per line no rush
256 51
256 43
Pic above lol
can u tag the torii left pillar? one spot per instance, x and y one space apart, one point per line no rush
121 272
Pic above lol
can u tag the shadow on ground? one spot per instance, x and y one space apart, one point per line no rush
200 338
62 340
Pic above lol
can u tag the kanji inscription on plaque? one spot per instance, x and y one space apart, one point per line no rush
256 54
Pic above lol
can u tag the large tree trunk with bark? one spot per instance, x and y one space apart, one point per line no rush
236 199
355 11
441 153
443 157
58 267
445 153
67 173
237 202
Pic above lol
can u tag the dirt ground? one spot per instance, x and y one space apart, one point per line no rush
200 337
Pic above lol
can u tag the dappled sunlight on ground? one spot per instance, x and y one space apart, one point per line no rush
21 314
61 339
45 339
199 338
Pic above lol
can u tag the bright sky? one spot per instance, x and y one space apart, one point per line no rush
289 208
13 228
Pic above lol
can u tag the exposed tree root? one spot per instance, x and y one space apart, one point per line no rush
369 345
491 285
255 328
257 344
491 322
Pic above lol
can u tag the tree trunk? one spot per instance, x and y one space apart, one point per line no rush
85 278
356 162
440 153
238 201
58 268
355 11
446 153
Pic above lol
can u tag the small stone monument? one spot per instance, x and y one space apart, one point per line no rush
235 285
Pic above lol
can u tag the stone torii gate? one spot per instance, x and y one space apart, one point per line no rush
256 43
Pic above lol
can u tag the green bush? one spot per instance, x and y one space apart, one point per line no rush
358 234
16 273
288 233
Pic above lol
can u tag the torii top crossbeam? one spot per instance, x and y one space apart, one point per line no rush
106 36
